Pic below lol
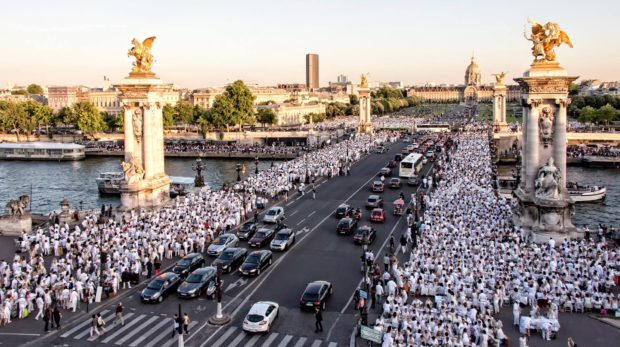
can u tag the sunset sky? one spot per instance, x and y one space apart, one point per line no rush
211 43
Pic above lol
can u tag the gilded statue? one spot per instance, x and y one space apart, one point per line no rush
363 81
133 170
548 181
544 39
142 53
499 78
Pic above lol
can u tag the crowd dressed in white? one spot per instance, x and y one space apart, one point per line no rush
470 262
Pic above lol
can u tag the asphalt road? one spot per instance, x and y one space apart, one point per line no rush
319 253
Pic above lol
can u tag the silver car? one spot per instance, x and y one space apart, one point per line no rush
274 215
221 243
284 239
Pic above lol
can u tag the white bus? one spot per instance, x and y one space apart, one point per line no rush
411 165
433 127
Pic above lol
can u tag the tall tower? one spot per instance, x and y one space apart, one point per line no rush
312 71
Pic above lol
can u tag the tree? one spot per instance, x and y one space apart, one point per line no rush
573 89
316 117
183 112
13 116
333 110
38 114
242 101
168 115
89 119
354 99
35 89
587 114
19 92
606 114
266 116
222 113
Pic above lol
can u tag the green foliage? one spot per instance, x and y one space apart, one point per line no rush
606 114
354 99
183 113
168 115
24 117
88 117
242 101
266 116
573 89
112 121
35 89
19 92
222 113
316 117
388 92
335 109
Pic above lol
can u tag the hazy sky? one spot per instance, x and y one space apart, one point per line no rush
209 43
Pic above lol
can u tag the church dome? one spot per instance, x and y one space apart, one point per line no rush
472 73
473 67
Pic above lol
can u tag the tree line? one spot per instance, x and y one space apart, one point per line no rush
600 109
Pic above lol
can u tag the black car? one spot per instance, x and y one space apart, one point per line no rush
343 210
230 258
255 262
315 295
160 287
198 282
374 201
261 237
346 226
364 235
188 264
246 231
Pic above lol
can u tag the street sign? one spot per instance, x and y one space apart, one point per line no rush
363 294
370 334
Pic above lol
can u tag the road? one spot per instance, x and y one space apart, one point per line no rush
319 253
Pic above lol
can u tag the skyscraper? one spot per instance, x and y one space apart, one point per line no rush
312 71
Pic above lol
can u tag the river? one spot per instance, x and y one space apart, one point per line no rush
52 181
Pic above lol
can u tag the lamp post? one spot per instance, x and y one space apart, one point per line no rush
238 172
306 160
256 163
220 318
199 180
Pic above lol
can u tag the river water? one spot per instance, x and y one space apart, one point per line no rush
52 181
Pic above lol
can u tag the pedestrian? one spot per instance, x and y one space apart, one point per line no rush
256 216
93 326
386 262
318 317
186 322
403 243
47 317
40 307
313 193
101 324
175 325
118 317
57 315
392 244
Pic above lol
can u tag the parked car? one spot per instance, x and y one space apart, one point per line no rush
188 264
198 282
386 171
343 210
160 287
221 243
377 215
374 201
315 295
413 180
394 182
377 187
261 237
284 239
364 235
260 317
346 226
274 215
247 230
256 262
230 258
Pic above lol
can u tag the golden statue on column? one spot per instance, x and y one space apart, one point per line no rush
142 53
544 39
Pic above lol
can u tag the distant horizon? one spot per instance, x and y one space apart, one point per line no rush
414 42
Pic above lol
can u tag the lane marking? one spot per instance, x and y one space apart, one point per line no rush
136 330
316 343
176 341
285 341
270 340
122 330
81 325
301 341
294 212
20 334
311 213
332 344
237 339
223 338
252 341
151 331
301 221
105 319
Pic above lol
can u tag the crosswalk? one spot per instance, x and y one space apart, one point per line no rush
236 337
143 330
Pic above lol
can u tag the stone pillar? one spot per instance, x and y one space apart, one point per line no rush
559 141
499 108
532 146
526 113
365 122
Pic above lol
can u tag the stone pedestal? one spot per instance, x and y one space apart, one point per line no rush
146 183
499 108
14 226
545 208
365 124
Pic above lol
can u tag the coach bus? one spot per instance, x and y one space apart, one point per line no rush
433 127
411 165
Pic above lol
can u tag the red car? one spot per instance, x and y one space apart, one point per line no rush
377 186
377 215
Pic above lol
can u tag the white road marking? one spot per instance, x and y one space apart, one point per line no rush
136 330
20 334
166 332
270 340
123 329
221 340
301 221
290 203
171 342
237 339
285 341
105 319
81 325
311 213
252 341
151 331
301 342
294 212
316 343
238 283
332 344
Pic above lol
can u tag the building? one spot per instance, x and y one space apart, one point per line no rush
293 114
342 79
60 96
205 97
597 87
471 92
265 94
312 71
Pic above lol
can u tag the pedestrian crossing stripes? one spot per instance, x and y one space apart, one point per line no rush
139 330
236 337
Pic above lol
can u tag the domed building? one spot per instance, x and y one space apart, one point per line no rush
470 93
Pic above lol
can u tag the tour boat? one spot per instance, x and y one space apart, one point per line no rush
586 193
110 182
41 151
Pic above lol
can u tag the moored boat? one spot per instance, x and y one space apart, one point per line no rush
110 182
580 193
41 151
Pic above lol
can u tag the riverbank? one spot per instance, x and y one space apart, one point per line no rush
211 155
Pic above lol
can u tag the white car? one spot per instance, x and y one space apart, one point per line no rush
284 239
221 243
262 314
274 215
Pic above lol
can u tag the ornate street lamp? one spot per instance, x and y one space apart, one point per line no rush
199 180
256 163
238 172
306 156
